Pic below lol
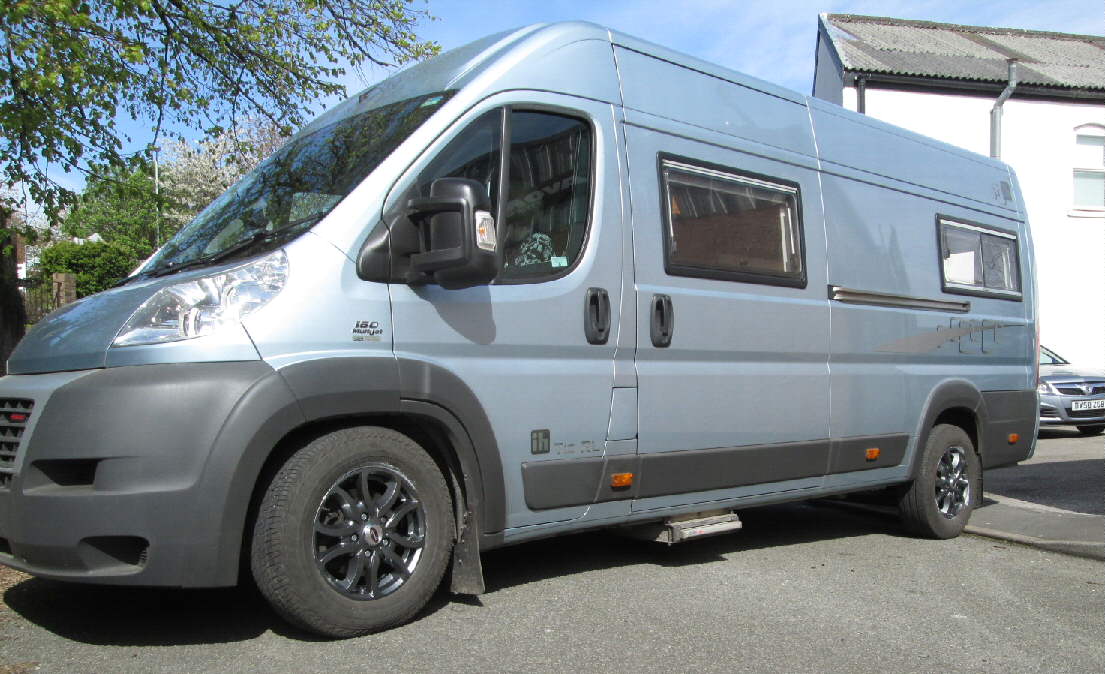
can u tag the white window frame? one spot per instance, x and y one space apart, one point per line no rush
944 223
1077 210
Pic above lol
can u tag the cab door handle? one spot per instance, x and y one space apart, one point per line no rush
596 316
662 321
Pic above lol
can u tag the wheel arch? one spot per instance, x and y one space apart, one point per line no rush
341 392
956 402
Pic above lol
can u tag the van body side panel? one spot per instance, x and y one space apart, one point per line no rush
892 156
887 357
712 102
744 382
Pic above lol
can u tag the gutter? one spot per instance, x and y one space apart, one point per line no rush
995 112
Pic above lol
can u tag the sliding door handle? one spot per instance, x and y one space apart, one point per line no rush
662 321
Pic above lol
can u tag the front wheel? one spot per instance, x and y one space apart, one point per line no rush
947 488
354 533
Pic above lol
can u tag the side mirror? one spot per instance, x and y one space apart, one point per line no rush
456 234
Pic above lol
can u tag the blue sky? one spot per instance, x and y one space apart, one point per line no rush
770 39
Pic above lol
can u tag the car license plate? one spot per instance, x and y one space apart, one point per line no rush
1088 405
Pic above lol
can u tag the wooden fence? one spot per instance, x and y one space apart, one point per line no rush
43 294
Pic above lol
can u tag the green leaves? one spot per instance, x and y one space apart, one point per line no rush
69 69
97 265
120 206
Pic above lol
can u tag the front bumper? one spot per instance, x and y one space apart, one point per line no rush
133 475
1057 410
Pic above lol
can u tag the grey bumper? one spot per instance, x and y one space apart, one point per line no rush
1056 410
142 475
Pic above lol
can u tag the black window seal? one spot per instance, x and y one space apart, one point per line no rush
977 291
672 269
577 115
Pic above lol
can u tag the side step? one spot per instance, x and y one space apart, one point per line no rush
679 529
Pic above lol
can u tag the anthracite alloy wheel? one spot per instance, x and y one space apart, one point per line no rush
369 531
353 533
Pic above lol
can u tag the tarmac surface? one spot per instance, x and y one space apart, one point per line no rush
1055 500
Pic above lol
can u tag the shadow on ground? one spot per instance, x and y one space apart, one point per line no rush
159 617
773 526
1071 485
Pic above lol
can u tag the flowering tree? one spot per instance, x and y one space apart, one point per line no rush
70 69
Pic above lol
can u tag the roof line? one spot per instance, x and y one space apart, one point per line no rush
916 23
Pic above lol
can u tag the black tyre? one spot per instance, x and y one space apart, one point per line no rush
948 486
1091 430
354 533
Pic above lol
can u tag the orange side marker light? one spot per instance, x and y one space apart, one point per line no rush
873 453
621 480
1014 438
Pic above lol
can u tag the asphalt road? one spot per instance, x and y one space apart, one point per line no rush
1067 472
801 588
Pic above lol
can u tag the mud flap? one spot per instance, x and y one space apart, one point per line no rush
467 573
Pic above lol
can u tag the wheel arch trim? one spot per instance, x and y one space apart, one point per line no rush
949 395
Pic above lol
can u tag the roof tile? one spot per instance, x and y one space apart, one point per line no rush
942 50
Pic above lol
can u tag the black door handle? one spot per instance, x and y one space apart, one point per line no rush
662 321
596 316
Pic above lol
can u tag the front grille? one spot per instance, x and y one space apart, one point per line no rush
1085 414
15 414
1048 411
1072 389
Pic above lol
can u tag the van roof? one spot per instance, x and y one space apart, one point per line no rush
549 56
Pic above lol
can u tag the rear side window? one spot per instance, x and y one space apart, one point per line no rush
731 225
979 260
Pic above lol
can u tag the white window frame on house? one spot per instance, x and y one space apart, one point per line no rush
1084 164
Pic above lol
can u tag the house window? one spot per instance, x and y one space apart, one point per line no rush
1089 168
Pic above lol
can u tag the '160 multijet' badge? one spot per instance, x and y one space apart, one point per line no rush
367 331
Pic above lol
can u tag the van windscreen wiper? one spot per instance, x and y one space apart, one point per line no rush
257 239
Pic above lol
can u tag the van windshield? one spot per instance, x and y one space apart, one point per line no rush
293 189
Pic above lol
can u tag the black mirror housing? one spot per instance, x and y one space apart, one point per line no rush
458 246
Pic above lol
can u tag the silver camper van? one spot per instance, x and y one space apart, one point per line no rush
557 279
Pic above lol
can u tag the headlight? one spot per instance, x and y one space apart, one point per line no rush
1044 387
205 305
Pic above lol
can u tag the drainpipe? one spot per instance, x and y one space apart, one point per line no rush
995 113
861 95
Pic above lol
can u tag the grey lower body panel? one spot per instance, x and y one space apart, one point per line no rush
1008 413
126 478
556 483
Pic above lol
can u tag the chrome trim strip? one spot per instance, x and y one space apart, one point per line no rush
849 296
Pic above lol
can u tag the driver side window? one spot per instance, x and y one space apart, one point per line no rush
542 223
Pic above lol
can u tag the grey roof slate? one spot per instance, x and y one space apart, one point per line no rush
944 50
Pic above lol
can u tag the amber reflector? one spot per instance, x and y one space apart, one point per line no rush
873 453
1014 437
621 480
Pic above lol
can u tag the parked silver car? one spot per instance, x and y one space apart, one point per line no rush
1070 396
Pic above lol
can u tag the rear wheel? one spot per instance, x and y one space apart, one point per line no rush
1091 430
947 488
354 533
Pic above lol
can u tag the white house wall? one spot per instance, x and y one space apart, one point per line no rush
1038 141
